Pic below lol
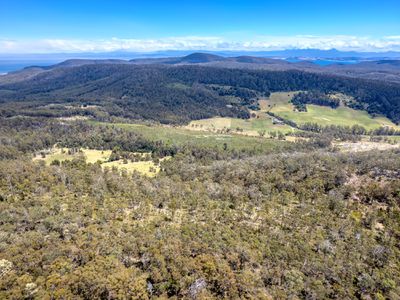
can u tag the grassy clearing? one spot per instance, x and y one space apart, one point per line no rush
181 136
276 99
279 104
148 168
60 154
251 127
92 156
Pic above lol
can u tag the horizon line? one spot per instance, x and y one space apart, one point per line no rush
197 51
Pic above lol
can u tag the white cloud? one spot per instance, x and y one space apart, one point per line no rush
340 42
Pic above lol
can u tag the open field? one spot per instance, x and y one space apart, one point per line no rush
278 103
180 136
251 127
278 98
62 154
92 156
148 168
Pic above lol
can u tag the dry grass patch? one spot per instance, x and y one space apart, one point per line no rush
62 154
148 167
92 156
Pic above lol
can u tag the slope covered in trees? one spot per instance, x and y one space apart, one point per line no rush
176 94
308 223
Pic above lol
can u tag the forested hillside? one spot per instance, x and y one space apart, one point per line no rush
224 216
199 150
301 221
176 94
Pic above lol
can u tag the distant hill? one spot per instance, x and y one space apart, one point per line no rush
201 58
194 58
176 93
258 60
81 62
383 69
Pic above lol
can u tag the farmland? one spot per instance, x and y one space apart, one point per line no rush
278 103
252 127
181 136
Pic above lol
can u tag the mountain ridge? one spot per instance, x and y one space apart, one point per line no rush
286 53
181 92
383 69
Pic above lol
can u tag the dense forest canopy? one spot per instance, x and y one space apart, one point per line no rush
176 94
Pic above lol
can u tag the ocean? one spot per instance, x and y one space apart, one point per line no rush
327 62
7 66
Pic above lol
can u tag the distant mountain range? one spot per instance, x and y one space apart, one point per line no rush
382 69
289 53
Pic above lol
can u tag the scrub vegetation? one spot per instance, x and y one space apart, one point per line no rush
123 181
298 220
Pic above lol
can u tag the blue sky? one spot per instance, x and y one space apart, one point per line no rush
99 25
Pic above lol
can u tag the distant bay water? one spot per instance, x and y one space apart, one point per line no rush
327 62
7 66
